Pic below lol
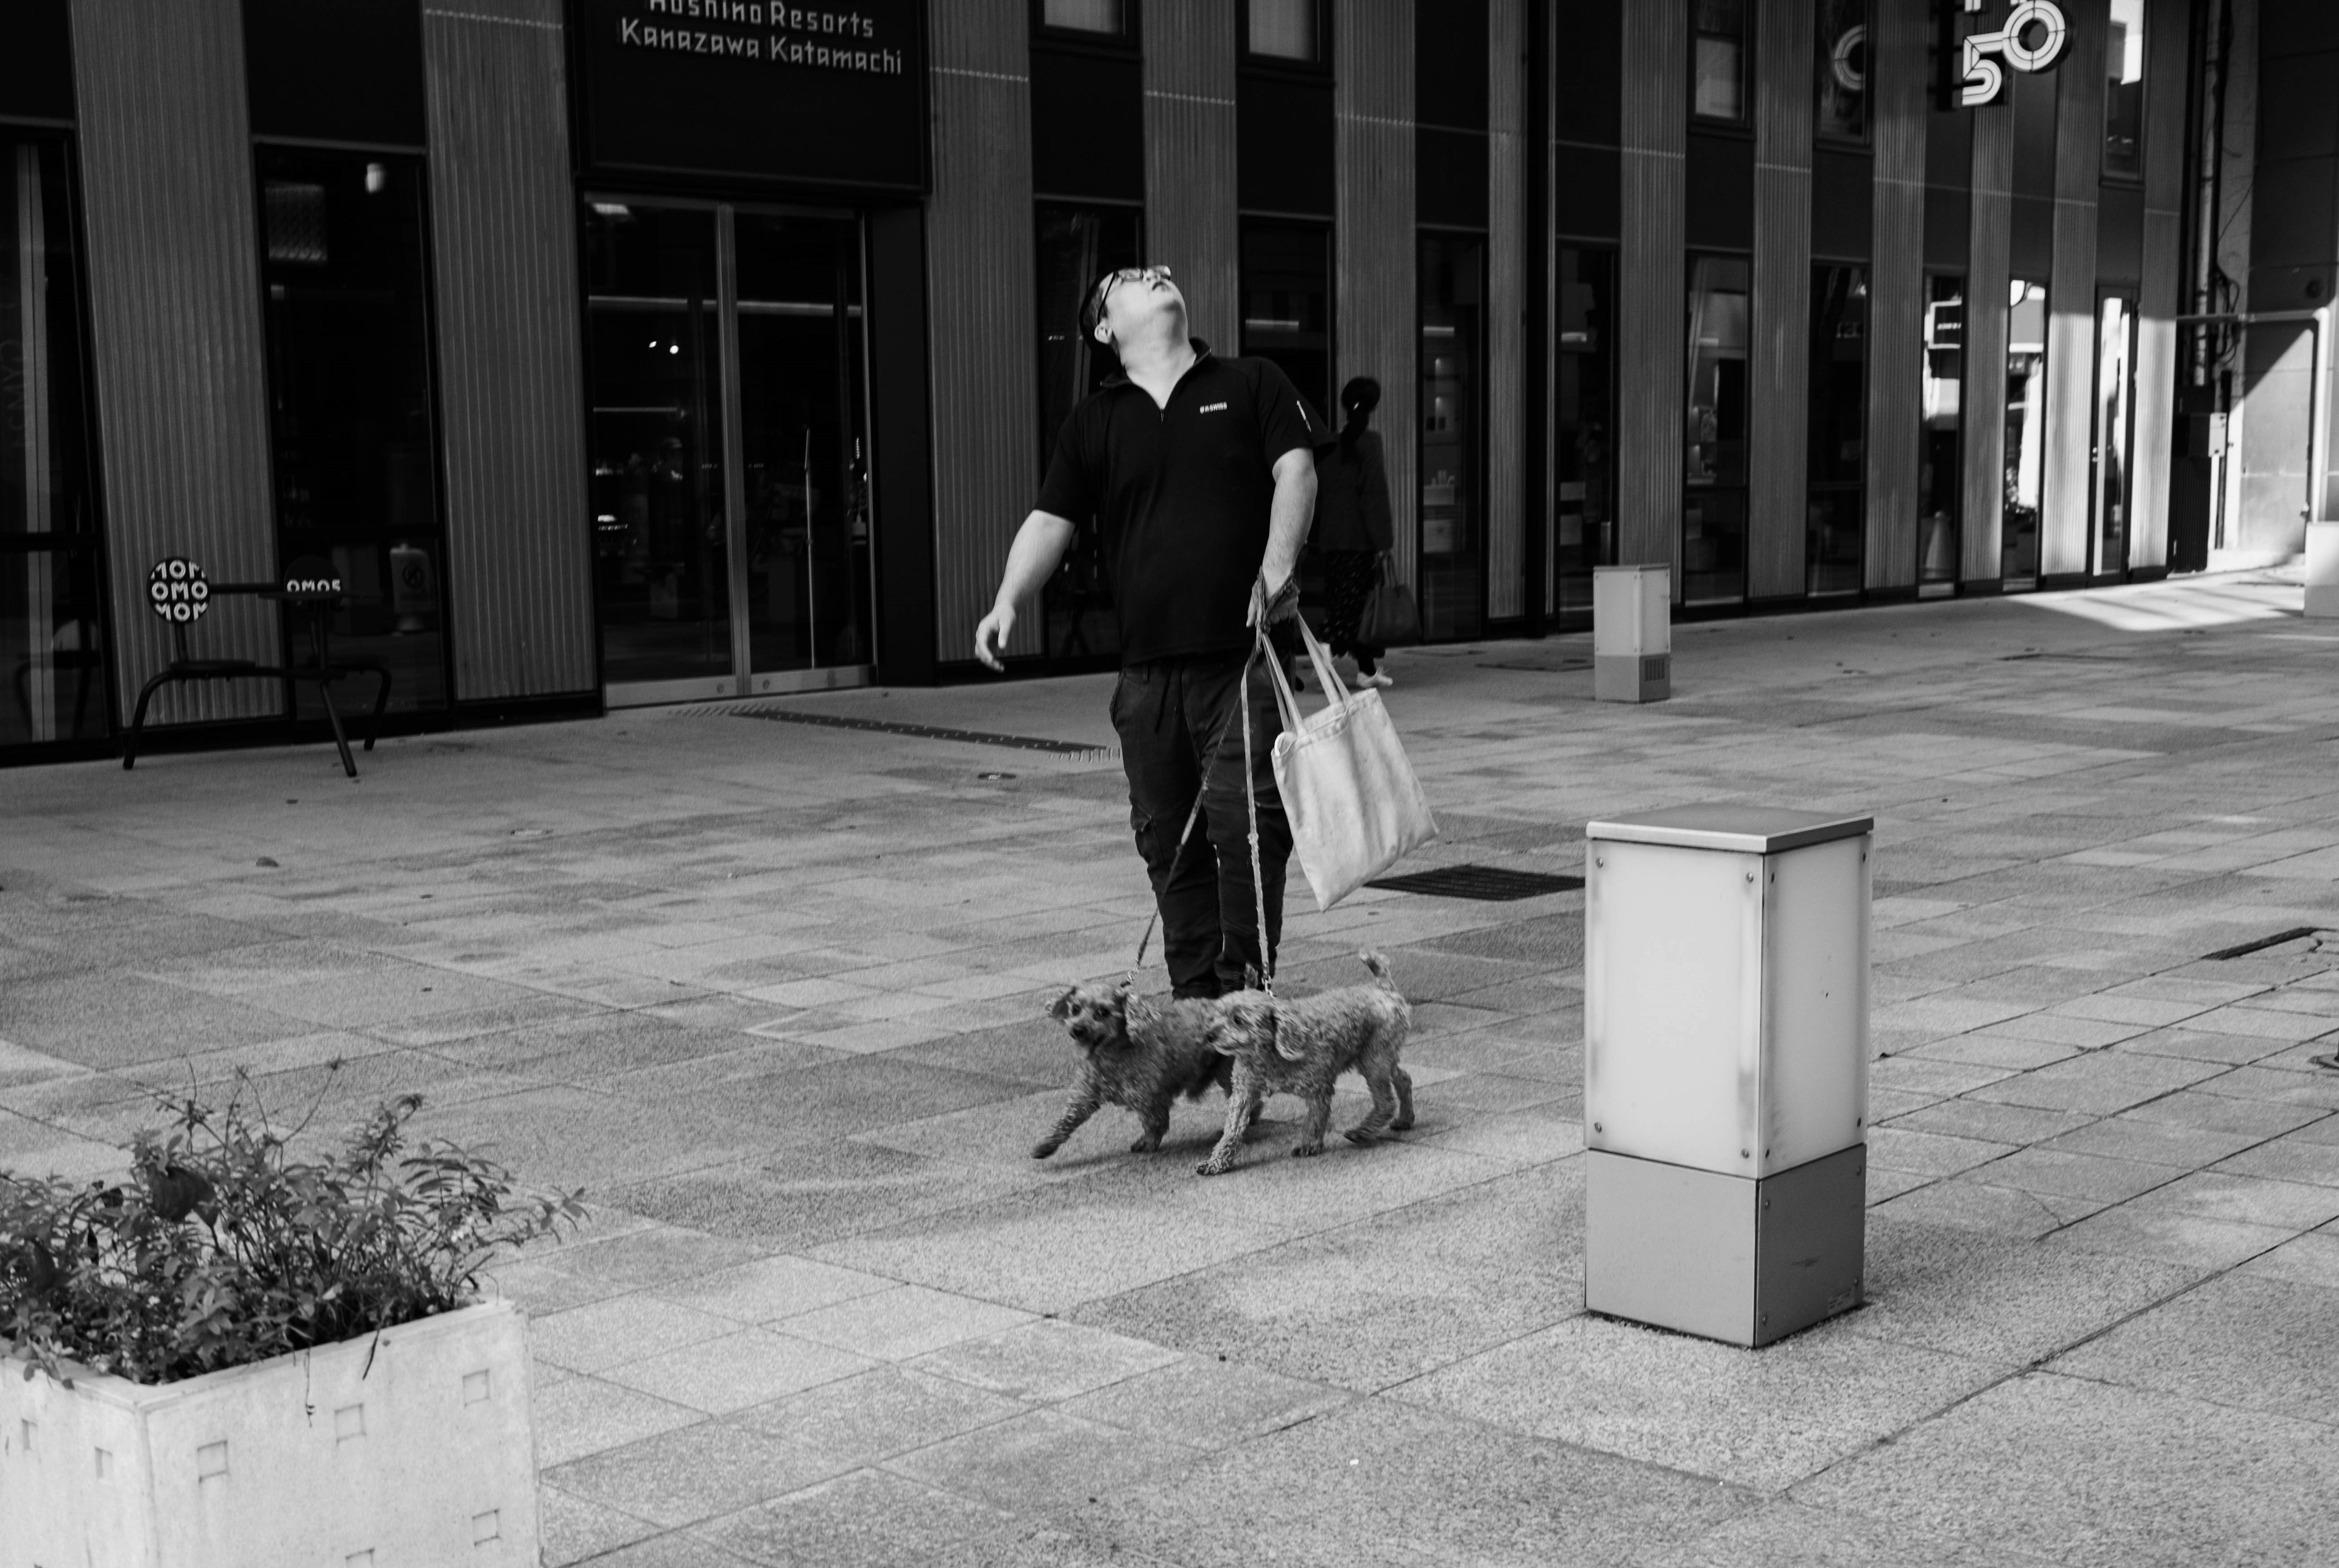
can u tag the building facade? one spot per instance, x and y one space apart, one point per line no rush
622 351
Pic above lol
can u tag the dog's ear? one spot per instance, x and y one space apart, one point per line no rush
1118 997
1061 1008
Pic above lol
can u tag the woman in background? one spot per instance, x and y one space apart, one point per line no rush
1354 526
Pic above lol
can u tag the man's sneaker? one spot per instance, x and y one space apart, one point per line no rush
1379 678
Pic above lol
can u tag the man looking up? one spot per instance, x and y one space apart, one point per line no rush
1202 475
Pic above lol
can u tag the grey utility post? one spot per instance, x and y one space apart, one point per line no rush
1725 1067
1632 633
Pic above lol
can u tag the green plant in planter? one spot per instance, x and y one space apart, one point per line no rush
222 1249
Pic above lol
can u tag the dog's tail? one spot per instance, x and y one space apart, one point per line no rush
1380 968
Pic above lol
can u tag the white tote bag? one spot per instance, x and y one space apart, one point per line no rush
1353 800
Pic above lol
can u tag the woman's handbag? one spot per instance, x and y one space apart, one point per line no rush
1391 617
1355 805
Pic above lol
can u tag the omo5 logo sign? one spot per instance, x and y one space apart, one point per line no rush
2035 36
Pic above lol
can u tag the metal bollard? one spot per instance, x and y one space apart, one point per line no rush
1725 1068
1632 633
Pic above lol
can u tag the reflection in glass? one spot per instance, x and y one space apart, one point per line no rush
803 448
349 405
1718 60
52 626
1582 426
1714 513
2124 93
2026 419
1452 270
2115 420
1836 524
1082 15
1941 454
1284 29
1077 245
661 564
1839 75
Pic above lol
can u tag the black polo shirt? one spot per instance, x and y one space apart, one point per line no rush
1181 494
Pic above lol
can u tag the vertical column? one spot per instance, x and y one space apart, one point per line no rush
1506 475
519 572
1989 270
1189 161
1778 391
1373 235
2065 513
1896 291
1650 303
2232 248
2167 27
178 346
981 309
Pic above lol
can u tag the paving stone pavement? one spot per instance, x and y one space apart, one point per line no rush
770 994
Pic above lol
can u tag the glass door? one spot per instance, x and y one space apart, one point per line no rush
729 450
2026 423
2115 426
1453 571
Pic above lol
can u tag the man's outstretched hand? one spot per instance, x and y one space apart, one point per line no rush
991 635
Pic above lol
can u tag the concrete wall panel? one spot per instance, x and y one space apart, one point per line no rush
1507 488
1190 160
1651 302
1779 373
1896 292
1373 235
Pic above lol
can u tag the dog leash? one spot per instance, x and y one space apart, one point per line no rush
1250 801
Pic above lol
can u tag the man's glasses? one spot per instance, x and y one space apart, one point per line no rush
1152 272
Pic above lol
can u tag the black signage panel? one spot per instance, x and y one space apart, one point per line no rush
831 94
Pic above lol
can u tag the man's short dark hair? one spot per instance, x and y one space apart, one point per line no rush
1092 307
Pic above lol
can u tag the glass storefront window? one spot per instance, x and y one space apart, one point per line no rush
2026 420
1287 305
2124 94
52 681
1583 377
1082 15
1940 452
2114 423
804 446
1280 29
1713 510
1077 245
661 570
1836 521
1718 59
1839 75
1452 270
351 411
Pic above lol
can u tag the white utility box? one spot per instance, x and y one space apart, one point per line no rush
1725 1067
1632 633
2321 569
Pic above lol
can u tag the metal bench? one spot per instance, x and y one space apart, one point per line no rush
178 590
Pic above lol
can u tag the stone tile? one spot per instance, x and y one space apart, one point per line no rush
2068 1174
2296 1206
2248 1340
1381 1302
804 1195
1997 1472
1786 1534
579 1415
2227 1049
2255 1120
2315 1089
1044 1460
2143 1011
2265 1023
1045 1362
901 1323
1965 1203
2173 1236
2292 1158
659 1254
622 1329
878 1413
2309 1260
575 1529
772 1288
1206 1402
2100 1084
1384 1481
1761 1421
693 1472
869 1518
1928 1153
1990 1122
737 1370
1995 1046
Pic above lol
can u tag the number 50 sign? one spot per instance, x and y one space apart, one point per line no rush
2033 39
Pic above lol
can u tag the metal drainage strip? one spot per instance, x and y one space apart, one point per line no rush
1487 883
2276 939
923 732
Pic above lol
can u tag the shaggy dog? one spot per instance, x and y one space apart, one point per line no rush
1282 1046
1138 1055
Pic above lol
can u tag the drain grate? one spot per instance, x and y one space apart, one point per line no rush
1487 883
2276 939
924 732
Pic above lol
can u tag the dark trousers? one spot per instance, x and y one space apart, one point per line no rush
1349 578
1168 715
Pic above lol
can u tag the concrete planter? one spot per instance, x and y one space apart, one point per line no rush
425 1456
